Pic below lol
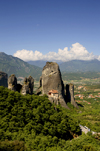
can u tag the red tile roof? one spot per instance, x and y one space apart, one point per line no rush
53 91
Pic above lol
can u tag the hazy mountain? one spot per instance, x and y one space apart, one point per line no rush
41 63
13 65
80 66
73 66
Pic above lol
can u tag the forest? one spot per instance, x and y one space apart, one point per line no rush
32 123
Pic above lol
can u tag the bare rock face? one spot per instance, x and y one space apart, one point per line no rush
3 79
52 83
40 82
70 94
39 89
12 82
27 87
31 84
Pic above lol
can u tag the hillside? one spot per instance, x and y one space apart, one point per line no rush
13 65
32 123
80 66
33 120
39 63
73 66
75 69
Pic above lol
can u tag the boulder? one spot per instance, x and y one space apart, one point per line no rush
3 79
12 82
52 83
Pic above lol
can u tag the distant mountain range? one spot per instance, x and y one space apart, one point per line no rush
80 66
74 65
13 65
39 63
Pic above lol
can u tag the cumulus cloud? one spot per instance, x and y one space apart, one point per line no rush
77 51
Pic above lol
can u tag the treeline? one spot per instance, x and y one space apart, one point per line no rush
32 123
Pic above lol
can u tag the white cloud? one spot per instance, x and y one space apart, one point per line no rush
77 51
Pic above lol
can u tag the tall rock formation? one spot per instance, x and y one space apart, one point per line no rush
12 82
27 87
39 89
52 83
3 79
70 94
40 82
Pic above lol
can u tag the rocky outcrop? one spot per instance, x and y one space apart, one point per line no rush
3 79
52 80
70 94
39 90
12 82
27 87
40 82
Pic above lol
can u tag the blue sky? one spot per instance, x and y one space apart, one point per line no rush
43 29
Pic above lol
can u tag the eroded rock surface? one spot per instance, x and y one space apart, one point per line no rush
52 80
70 94
12 82
3 79
28 85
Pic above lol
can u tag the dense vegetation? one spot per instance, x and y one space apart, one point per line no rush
33 120
32 123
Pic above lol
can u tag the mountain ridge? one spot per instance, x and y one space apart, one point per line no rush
14 65
73 65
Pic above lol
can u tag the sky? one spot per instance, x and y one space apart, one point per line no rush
50 29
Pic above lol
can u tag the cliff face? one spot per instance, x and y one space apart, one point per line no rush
51 80
70 94
3 79
12 82
27 87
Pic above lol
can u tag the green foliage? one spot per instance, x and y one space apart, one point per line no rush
31 123
12 146
33 120
83 143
